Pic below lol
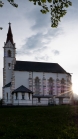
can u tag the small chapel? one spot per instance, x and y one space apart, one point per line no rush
33 83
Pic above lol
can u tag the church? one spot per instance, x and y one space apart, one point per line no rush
33 83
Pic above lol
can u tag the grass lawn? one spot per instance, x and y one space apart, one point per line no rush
54 122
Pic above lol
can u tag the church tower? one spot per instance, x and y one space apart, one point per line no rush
9 57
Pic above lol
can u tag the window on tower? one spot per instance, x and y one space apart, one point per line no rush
9 53
9 65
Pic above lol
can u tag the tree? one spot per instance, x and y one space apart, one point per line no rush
57 8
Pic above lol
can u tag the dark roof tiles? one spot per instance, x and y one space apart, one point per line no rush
38 67
22 89
7 85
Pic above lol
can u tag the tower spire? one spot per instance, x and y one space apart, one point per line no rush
9 34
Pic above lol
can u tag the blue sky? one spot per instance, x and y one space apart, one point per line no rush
37 41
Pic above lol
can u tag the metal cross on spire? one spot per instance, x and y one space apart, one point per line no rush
9 23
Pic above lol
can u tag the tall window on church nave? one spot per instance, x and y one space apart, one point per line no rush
63 85
50 86
37 85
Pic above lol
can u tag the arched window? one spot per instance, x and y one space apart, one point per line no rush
58 85
37 85
69 84
50 86
9 53
62 85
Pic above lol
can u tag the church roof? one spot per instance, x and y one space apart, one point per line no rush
38 67
7 85
9 35
22 89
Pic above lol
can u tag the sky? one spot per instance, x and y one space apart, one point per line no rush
37 41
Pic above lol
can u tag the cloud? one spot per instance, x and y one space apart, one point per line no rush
40 40
42 58
35 41
37 45
55 52
40 20
40 50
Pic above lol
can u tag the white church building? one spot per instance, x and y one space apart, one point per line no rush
33 83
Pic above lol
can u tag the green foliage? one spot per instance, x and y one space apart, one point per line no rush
13 3
57 8
10 1
1 3
1 28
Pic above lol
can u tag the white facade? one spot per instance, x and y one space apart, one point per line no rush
42 93
7 95
23 78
